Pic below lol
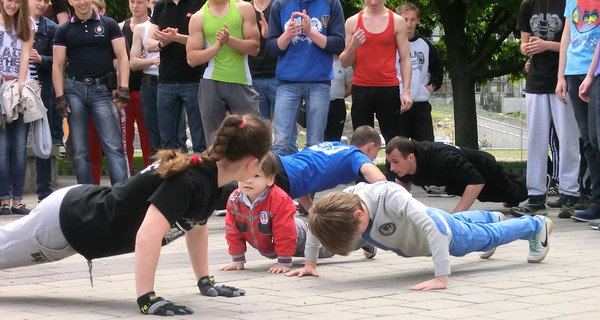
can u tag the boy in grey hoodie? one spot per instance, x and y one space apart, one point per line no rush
387 216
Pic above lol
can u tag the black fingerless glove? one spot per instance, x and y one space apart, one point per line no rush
122 95
62 106
151 304
208 287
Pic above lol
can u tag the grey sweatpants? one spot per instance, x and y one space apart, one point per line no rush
37 237
216 98
542 110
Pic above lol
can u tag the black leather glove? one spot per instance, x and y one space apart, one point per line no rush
122 95
208 287
151 304
63 108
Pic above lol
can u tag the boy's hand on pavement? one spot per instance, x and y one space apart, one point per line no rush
310 268
278 269
232 266
434 284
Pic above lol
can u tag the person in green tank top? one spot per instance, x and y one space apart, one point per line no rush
223 33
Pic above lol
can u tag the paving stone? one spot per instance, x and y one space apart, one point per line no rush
351 287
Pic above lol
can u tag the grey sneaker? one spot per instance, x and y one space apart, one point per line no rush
556 203
370 251
584 202
553 189
489 253
4 210
594 224
539 245
20 209
567 208
534 206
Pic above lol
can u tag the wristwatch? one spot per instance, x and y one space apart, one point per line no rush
160 47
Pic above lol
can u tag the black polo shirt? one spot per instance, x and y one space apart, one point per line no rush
89 45
173 66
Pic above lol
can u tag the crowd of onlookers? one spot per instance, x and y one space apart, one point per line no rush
178 67
226 61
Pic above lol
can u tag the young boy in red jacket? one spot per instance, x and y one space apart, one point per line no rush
262 214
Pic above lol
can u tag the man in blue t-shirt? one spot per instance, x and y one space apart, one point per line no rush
324 166
328 164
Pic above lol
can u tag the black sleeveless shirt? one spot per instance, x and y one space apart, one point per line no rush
135 77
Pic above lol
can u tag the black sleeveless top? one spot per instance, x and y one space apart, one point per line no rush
135 77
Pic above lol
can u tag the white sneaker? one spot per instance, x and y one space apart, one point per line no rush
489 253
539 245
220 213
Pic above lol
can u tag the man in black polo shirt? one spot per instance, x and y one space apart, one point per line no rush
90 42
178 82
469 173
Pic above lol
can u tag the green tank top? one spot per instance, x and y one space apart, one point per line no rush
227 65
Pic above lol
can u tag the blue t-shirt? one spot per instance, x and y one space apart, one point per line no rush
584 34
322 166
303 60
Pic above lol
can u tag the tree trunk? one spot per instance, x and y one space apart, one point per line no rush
465 113
460 70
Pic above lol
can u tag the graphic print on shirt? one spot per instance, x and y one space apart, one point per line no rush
585 15
328 148
315 24
10 53
546 25
418 59
585 19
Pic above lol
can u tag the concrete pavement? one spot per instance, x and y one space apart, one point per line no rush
564 286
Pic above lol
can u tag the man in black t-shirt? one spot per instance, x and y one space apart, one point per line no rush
541 23
58 11
469 173
262 66
177 82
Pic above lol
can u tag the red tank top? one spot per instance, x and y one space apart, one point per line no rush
376 58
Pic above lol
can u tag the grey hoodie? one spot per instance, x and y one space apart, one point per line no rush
402 224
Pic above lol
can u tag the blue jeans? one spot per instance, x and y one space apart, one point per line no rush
95 101
148 99
171 98
55 121
13 159
43 173
479 230
267 91
43 167
287 104
585 115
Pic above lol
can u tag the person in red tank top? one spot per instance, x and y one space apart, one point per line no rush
376 29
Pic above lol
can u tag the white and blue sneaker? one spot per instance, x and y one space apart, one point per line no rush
539 245
489 253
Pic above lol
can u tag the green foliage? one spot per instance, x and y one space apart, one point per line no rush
491 36
351 7
118 9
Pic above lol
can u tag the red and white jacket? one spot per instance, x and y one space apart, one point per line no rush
268 225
